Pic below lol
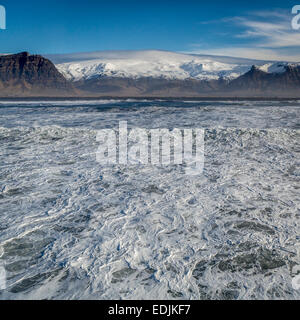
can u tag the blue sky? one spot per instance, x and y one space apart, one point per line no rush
260 29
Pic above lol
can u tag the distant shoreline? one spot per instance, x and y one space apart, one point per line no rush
10 99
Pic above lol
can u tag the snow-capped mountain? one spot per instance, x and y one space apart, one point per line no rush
156 64
145 74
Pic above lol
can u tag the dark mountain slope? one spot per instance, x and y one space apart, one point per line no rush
25 74
257 80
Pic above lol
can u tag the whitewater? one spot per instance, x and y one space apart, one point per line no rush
73 229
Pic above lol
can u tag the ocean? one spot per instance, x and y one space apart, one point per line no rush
71 228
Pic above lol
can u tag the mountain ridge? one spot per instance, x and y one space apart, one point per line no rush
146 73
158 64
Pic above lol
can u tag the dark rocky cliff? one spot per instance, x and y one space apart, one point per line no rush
260 81
22 74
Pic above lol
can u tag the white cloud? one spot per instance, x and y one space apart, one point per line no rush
270 36
250 53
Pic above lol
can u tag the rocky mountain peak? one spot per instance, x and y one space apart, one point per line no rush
23 72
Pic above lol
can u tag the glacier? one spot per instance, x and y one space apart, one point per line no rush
157 64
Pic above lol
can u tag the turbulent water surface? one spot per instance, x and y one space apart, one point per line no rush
72 229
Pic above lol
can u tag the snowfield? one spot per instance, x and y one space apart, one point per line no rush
156 64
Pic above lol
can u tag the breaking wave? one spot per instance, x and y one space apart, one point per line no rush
71 229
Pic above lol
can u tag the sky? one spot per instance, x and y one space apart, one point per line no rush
257 30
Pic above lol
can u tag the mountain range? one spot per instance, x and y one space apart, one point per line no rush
150 73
